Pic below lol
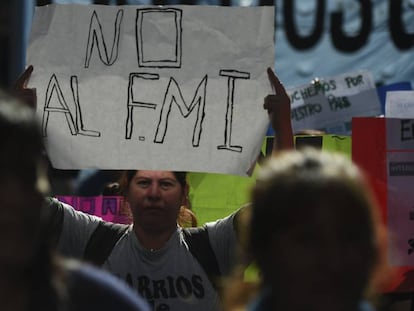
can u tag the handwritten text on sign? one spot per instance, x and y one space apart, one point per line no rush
177 88
330 104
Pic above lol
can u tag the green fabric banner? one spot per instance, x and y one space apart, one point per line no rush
215 196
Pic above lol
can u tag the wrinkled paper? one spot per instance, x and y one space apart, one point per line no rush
152 87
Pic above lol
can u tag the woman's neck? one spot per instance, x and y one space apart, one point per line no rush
153 239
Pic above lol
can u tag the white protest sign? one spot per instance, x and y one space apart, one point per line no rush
330 104
152 87
399 104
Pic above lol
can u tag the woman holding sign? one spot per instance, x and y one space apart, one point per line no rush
174 268
32 276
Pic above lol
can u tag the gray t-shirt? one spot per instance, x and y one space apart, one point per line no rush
169 278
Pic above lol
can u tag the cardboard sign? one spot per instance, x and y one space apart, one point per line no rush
329 104
152 87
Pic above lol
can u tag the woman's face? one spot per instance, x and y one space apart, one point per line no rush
155 198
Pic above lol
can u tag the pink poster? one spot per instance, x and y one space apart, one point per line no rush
109 208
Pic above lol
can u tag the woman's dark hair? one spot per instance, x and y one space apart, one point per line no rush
126 177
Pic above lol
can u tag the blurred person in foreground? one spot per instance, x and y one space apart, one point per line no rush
314 235
32 276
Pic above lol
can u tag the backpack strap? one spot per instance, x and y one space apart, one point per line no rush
199 245
102 241
107 234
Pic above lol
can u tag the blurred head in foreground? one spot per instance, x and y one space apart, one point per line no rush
314 232
23 182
